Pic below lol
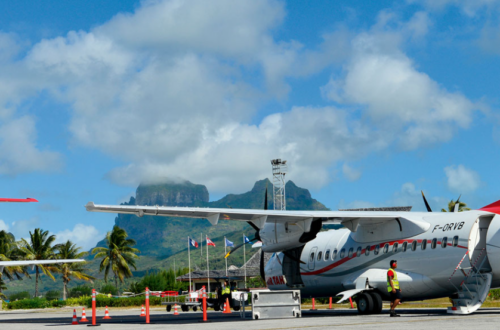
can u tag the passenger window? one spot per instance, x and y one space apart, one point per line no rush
455 241
367 251
395 247
351 251
444 243
404 246
342 253
414 245
386 248
320 254
377 249
327 254
358 253
424 244
433 243
312 257
334 255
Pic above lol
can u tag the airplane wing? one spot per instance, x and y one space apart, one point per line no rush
36 262
350 219
17 200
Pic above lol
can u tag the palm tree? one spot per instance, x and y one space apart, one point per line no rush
69 250
39 248
8 252
118 256
451 206
2 287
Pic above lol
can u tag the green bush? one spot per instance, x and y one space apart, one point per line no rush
80 291
29 303
53 295
494 294
19 296
107 288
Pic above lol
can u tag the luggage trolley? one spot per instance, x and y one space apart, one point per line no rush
191 300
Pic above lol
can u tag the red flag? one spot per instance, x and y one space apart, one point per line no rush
209 242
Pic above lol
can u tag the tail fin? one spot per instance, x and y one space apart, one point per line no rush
493 207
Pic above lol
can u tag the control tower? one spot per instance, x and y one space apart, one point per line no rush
279 171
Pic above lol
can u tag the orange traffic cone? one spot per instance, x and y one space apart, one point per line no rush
75 320
106 314
143 312
175 310
84 316
227 308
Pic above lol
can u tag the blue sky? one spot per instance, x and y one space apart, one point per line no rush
369 101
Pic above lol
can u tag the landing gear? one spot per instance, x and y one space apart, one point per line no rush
169 308
377 302
365 303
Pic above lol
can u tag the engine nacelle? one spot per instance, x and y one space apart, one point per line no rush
278 236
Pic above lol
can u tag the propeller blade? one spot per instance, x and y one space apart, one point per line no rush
425 201
265 200
237 247
262 271
293 258
457 204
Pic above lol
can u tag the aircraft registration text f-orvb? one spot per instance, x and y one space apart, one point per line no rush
439 254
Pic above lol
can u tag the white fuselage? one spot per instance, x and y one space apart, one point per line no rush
335 259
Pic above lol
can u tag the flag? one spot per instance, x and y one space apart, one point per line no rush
229 243
209 242
246 240
192 242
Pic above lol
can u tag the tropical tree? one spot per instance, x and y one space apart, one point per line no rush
2 287
118 255
451 206
8 252
39 248
69 250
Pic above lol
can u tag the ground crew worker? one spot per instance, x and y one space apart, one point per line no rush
226 293
393 287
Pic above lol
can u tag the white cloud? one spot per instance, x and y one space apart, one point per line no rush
18 151
461 179
397 97
350 173
82 235
469 7
4 226
21 228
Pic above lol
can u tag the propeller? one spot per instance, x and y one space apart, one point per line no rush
425 201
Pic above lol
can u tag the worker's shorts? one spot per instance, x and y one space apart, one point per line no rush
396 295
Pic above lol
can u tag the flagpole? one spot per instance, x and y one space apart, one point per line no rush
225 251
245 260
208 268
189 258
201 250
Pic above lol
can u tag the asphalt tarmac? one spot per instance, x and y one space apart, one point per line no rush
321 319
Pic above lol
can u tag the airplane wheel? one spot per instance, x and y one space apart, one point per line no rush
365 303
236 308
377 302
184 308
169 308
195 308
216 307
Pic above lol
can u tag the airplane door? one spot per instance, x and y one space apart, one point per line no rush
312 257
477 243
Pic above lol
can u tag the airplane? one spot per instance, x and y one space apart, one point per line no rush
31 263
439 254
